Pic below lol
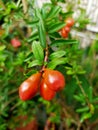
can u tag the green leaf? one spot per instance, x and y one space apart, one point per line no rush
57 54
70 71
80 110
90 94
63 42
45 9
85 116
41 28
54 35
33 23
92 108
42 35
56 27
33 37
34 63
37 51
2 47
67 14
80 98
95 99
52 64
55 10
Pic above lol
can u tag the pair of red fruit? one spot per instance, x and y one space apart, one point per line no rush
48 83
65 30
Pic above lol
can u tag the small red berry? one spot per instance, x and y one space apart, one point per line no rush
67 29
15 42
69 22
64 34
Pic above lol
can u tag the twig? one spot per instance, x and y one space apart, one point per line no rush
24 6
82 90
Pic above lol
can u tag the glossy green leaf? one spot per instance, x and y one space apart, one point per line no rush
37 51
42 35
41 29
52 64
56 27
34 63
57 54
54 23
63 42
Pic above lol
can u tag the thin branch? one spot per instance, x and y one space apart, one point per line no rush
24 6
83 92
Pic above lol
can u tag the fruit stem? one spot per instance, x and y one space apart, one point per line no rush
45 59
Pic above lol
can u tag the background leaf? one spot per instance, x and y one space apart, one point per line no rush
56 27
63 42
54 12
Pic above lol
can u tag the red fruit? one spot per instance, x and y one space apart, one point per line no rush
64 33
54 79
69 22
67 29
15 42
29 87
46 92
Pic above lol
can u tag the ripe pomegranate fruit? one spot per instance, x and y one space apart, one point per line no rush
29 87
54 79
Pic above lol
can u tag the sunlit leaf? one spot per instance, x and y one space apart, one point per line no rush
37 51
34 63
57 54
56 27
52 64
